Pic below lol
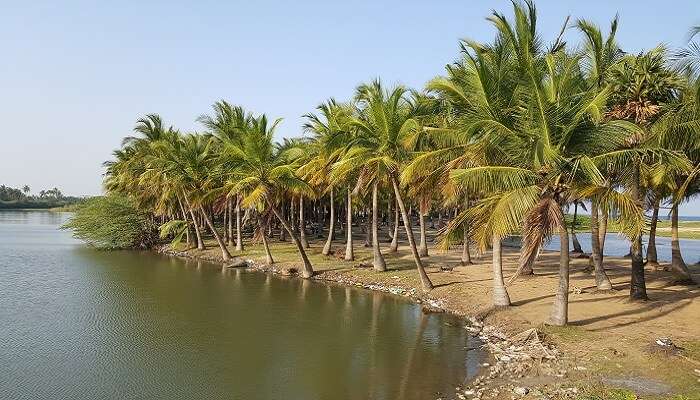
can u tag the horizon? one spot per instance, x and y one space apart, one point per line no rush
78 76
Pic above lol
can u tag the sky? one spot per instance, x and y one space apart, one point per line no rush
75 76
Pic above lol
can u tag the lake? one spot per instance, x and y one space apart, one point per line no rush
618 245
77 323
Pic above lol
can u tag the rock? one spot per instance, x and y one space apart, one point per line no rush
469 392
521 391
505 359
237 263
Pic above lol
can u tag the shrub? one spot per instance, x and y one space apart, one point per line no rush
112 222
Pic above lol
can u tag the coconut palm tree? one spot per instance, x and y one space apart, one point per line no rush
329 132
261 173
383 122
331 129
228 124
557 129
639 86
196 157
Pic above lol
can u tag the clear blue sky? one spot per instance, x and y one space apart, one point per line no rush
74 76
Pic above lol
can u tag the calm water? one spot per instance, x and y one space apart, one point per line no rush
618 245
81 324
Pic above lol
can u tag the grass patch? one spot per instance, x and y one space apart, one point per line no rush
567 333
604 393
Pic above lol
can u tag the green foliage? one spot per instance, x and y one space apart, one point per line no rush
112 222
175 229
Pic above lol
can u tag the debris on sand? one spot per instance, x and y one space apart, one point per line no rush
515 357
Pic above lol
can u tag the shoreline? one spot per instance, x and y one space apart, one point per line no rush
510 352
608 347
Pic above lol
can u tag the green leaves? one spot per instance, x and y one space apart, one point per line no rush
112 222
493 179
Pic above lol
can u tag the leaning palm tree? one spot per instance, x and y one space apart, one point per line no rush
228 124
197 159
330 132
377 150
262 173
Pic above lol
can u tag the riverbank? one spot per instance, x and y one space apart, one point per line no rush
609 348
687 228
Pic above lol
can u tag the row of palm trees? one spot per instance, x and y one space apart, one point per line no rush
511 136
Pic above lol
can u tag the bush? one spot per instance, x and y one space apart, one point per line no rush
112 222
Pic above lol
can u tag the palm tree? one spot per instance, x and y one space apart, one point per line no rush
557 128
383 123
228 124
640 85
330 131
262 172
197 159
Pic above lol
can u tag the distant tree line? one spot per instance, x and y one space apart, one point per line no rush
13 198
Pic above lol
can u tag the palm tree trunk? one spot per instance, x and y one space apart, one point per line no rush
283 233
378 261
292 214
560 310
307 269
652 259
602 281
603 231
302 224
638 287
349 254
331 228
527 269
224 251
500 293
229 204
395 239
368 230
239 225
574 239
226 237
425 280
388 223
197 230
266 245
678 265
187 223
423 247
466 255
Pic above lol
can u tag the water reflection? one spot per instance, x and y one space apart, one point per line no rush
132 325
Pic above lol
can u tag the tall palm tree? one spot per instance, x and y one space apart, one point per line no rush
383 123
262 173
331 131
640 85
557 128
228 124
